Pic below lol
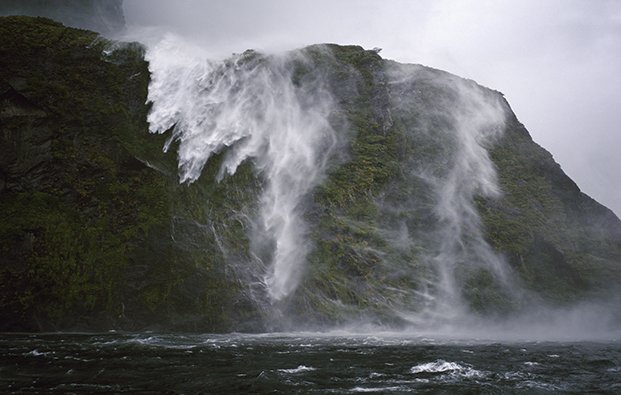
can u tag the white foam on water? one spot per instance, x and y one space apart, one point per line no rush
299 369
452 368
377 389
37 353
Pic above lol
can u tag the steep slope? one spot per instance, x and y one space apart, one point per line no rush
95 230
322 186
564 244
412 225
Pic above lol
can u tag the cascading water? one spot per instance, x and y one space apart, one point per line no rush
427 242
252 107
249 107
460 123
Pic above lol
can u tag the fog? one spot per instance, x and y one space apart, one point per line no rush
557 61
595 320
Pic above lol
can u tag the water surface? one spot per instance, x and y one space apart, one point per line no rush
301 363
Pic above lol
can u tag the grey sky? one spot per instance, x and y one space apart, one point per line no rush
557 61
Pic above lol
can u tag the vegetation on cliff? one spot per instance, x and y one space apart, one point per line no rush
96 232
564 245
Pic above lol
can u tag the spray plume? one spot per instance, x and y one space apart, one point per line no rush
248 106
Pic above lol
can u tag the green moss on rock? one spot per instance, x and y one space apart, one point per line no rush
562 243
95 230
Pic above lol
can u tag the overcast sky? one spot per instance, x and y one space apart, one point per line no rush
558 62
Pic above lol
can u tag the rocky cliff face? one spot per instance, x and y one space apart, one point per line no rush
90 205
96 232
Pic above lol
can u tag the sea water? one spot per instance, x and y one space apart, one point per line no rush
302 363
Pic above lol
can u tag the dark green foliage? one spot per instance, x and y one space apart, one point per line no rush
563 244
90 204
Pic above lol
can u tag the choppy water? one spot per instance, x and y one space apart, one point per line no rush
300 363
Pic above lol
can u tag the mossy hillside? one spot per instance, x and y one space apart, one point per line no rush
562 244
96 232
346 268
358 265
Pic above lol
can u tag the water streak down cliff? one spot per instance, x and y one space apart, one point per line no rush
321 187
286 114
249 106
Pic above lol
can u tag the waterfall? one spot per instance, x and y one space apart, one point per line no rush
459 123
253 107
248 107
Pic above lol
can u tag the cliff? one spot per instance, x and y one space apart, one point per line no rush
96 232
90 205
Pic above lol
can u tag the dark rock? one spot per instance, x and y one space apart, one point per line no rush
85 226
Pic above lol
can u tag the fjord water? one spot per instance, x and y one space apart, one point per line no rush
302 363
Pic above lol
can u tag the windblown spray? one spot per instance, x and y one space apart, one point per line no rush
458 124
248 107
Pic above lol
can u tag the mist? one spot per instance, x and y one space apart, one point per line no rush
594 320
249 106
556 62
456 169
